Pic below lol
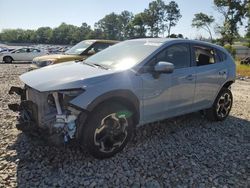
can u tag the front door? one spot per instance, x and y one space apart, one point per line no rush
171 94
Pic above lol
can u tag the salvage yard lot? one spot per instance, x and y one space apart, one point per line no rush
187 151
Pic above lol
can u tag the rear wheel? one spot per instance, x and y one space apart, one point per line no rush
107 131
221 107
7 59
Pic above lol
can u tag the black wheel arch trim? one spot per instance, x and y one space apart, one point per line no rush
226 84
123 96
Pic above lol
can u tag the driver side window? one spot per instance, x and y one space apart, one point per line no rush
178 54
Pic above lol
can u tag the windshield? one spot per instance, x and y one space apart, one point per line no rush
79 48
124 55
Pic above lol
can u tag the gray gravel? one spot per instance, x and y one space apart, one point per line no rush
187 151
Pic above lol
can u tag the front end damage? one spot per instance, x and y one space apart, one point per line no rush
47 114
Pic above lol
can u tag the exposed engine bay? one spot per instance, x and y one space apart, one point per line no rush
47 114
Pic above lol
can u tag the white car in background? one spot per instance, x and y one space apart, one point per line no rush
21 54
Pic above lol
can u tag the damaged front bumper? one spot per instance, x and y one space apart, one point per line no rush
26 119
56 124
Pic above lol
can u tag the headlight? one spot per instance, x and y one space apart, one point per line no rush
72 92
64 96
43 63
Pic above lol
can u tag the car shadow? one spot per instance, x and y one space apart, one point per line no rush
188 146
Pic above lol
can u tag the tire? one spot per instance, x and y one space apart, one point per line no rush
104 141
221 107
7 59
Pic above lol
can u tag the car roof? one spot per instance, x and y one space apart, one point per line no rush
103 41
167 40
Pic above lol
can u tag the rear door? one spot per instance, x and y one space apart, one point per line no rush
211 73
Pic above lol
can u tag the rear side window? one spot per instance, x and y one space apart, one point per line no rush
22 50
204 55
178 54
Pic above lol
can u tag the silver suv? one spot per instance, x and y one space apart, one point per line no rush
100 101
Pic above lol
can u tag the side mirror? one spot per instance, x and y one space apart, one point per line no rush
164 67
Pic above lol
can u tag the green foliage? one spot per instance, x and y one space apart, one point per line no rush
116 26
203 21
153 17
110 25
139 26
248 23
155 20
234 12
171 16
63 34
160 17
230 49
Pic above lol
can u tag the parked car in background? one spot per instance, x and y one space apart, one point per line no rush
99 102
5 50
245 61
80 51
21 54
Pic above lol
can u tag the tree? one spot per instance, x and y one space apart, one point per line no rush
63 34
171 16
44 35
110 25
233 11
139 26
248 23
203 21
153 17
125 19
81 33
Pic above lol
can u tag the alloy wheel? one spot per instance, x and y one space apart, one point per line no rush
224 105
111 134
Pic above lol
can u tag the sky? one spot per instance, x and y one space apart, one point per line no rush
31 14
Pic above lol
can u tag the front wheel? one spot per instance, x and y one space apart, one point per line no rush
221 107
108 130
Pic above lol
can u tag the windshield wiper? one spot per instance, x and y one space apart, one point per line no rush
84 62
92 64
101 66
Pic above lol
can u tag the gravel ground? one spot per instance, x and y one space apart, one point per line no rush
187 151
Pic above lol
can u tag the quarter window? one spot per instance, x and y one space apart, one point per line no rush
221 56
204 55
177 54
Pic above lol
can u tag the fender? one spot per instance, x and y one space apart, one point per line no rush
127 95
226 84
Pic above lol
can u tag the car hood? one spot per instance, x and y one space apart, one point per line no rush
59 57
69 75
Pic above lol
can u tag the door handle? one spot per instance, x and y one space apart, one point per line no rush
222 73
189 77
